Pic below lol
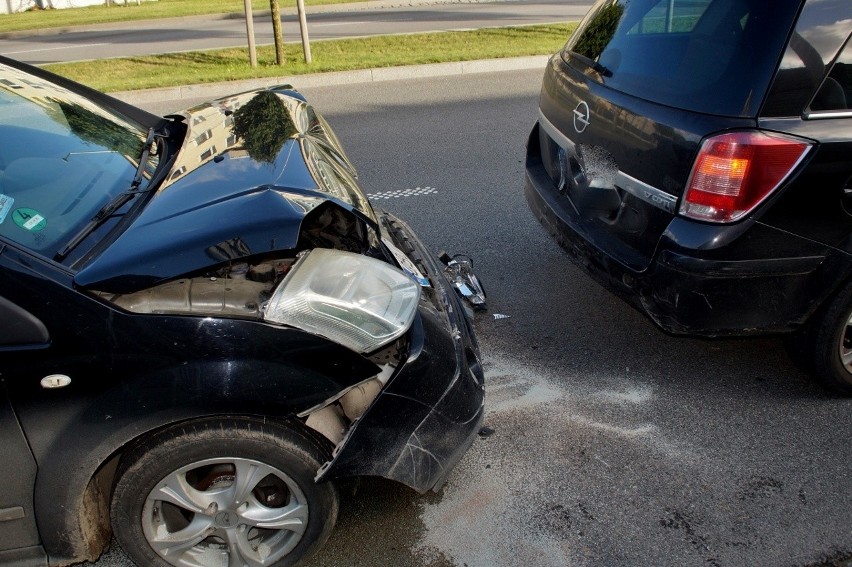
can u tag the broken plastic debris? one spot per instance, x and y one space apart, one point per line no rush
459 272
498 316
486 431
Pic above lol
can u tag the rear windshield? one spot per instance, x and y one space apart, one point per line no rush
711 56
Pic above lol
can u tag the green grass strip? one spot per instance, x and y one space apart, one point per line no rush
132 73
121 12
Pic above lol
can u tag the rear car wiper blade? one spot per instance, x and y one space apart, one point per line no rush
596 67
115 204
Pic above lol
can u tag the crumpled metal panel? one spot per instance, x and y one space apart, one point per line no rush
251 167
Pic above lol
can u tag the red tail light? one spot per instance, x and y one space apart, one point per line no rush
735 172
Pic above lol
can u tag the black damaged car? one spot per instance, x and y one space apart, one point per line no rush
695 156
204 326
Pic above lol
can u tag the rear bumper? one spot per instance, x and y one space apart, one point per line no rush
430 412
697 290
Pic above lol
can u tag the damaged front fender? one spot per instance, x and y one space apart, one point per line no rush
419 426
432 408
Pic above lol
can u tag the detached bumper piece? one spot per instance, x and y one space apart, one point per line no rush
432 408
459 272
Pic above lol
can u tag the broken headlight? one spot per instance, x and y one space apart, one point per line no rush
359 302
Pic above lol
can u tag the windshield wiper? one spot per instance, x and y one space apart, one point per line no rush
116 203
150 148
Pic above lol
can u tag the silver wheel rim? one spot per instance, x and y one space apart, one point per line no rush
225 512
846 345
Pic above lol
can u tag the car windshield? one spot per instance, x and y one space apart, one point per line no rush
711 56
62 158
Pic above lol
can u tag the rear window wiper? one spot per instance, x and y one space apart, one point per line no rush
594 65
116 203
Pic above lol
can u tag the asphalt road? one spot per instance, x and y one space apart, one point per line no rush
166 36
614 444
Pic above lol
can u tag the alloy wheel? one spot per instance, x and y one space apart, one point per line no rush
233 512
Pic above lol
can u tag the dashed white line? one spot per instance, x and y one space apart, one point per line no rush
416 192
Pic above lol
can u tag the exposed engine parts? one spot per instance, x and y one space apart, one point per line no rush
334 417
238 290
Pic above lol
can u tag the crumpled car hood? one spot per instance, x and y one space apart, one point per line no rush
249 170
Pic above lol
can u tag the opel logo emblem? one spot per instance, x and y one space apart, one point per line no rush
581 117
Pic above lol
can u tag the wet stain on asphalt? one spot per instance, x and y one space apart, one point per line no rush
379 524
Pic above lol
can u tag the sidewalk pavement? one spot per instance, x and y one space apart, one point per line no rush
214 90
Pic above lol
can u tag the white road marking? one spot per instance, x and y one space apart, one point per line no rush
337 24
416 192
55 48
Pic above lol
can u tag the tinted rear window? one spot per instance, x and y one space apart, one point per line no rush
711 56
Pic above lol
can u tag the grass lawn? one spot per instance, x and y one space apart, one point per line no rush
212 66
121 12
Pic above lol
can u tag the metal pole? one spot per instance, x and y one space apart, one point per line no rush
670 16
303 27
250 33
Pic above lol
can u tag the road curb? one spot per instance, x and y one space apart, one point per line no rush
215 90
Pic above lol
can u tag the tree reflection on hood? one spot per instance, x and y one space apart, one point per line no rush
264 124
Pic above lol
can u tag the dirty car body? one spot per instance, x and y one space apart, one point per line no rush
189 281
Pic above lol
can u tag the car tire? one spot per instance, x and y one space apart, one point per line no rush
198 493
825 344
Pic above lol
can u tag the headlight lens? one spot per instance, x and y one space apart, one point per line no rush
359 302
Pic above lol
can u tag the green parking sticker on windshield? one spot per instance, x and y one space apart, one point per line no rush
29 219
